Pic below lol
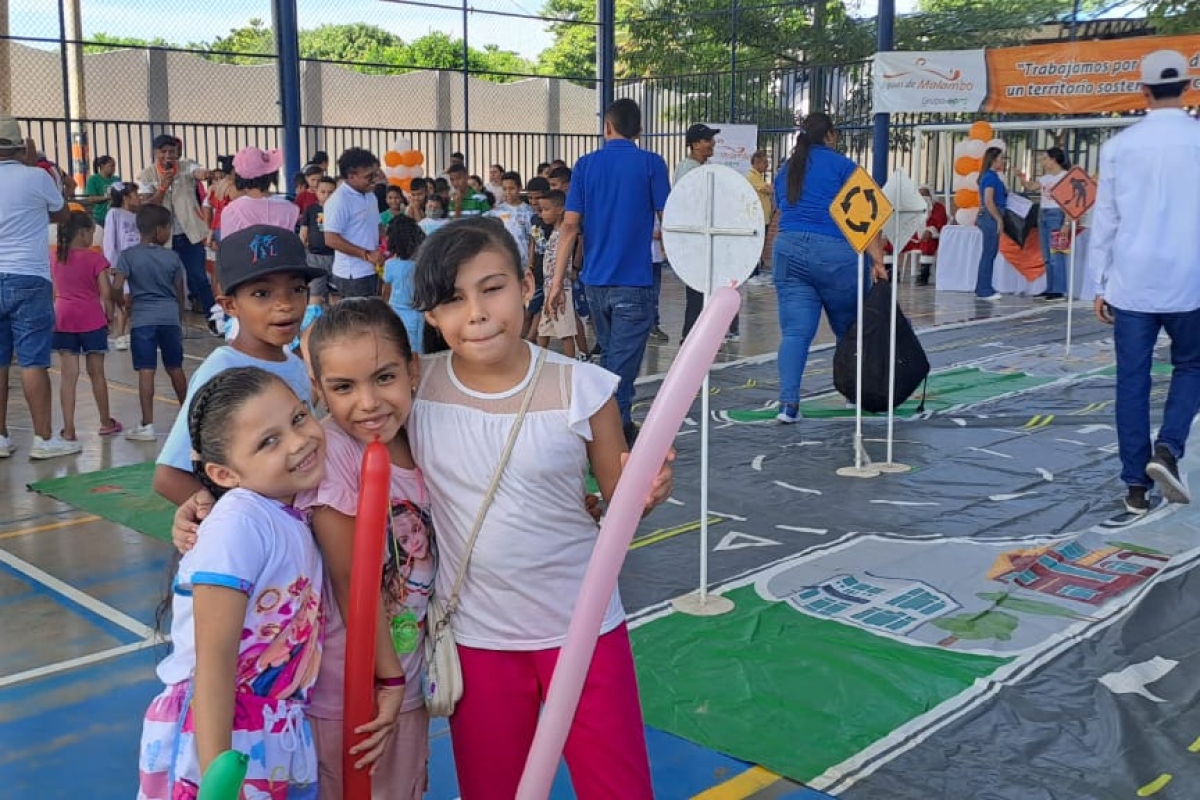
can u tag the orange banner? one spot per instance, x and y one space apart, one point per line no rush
1079 77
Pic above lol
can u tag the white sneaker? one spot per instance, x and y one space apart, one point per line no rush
7 448
992 297
53 448
122 343
142 433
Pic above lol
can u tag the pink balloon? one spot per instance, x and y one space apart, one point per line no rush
666 415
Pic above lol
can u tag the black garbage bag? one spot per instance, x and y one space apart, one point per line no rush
1019 229
912 366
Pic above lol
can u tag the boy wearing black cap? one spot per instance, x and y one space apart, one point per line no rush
264 275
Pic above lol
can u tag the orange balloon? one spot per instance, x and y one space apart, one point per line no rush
420 159
965 165
409 158
406 184
966 198
982 131
393 159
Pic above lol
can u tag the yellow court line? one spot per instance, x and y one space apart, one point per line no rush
66 523
740 786
661 535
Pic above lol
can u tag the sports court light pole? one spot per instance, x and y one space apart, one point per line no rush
287 45
606 54
885 22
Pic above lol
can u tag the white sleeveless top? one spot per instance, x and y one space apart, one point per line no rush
529 561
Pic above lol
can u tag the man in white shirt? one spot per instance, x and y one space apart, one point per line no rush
352 226
1145 250
29 202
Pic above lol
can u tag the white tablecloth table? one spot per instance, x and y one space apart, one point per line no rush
959 249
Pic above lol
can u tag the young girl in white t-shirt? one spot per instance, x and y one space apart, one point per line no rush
121 233
528 562
246 603
364 371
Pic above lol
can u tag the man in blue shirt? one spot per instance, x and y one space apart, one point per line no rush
616 194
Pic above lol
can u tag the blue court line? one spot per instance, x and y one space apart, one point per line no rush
122 635
806 794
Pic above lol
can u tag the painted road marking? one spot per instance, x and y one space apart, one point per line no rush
50 526
1155 786
79 598
1194 747
796 529
740 786
1038 422
736 540
661 535
73 663
800 489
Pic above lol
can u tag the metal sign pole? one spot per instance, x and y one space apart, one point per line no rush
862 463
890 465
1071 286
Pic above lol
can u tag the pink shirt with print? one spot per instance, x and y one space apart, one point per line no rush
407 587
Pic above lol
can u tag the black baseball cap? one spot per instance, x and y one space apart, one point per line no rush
259 251
701 132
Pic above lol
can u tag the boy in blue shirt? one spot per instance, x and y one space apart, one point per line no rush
264 275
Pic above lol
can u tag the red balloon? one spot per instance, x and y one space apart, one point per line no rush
370 530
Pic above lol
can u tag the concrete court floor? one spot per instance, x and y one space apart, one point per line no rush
77 595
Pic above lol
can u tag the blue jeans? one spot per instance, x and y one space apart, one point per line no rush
192 256
657 266
1135 334
623 316
812 271
26 320
1049 221
987 259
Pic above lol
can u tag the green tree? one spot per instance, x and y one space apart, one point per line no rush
989 624
253 39
354 42
104 43
1173 16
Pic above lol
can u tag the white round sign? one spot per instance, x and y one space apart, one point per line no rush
713 224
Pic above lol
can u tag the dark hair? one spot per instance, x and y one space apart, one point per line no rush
625 118
225 164
538 184
210 415
441 184
1058 156
418 184
555 197
475 178
404 236
164 140
455 169
758 154
989 157
78 221
262 183
814 130
559 162
356 158
327 179
436 198
561 173
459 156
1168 91
542 167
499 167
451 246
99 162
116 197
312 169
354 316
393 189
150 218
319 157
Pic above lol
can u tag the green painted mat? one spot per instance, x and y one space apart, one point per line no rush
123 495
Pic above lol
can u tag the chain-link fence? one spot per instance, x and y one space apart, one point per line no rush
502 81
484 79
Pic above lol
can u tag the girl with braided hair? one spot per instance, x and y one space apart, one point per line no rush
246 624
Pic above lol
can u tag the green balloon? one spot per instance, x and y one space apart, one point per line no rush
224 777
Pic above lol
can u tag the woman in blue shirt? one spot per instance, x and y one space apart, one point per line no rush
993 195
815 267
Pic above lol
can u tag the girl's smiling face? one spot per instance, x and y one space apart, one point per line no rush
482 321
276 448
367 385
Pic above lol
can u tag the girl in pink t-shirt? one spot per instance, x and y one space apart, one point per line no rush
82 309
365 373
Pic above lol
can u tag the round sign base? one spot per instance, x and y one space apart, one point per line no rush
868 471
708 605
892 467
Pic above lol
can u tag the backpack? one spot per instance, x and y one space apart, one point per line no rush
912 367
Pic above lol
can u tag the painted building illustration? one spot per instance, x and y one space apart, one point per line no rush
889 604
1072 571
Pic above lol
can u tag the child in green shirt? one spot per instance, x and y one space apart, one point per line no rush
104 175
